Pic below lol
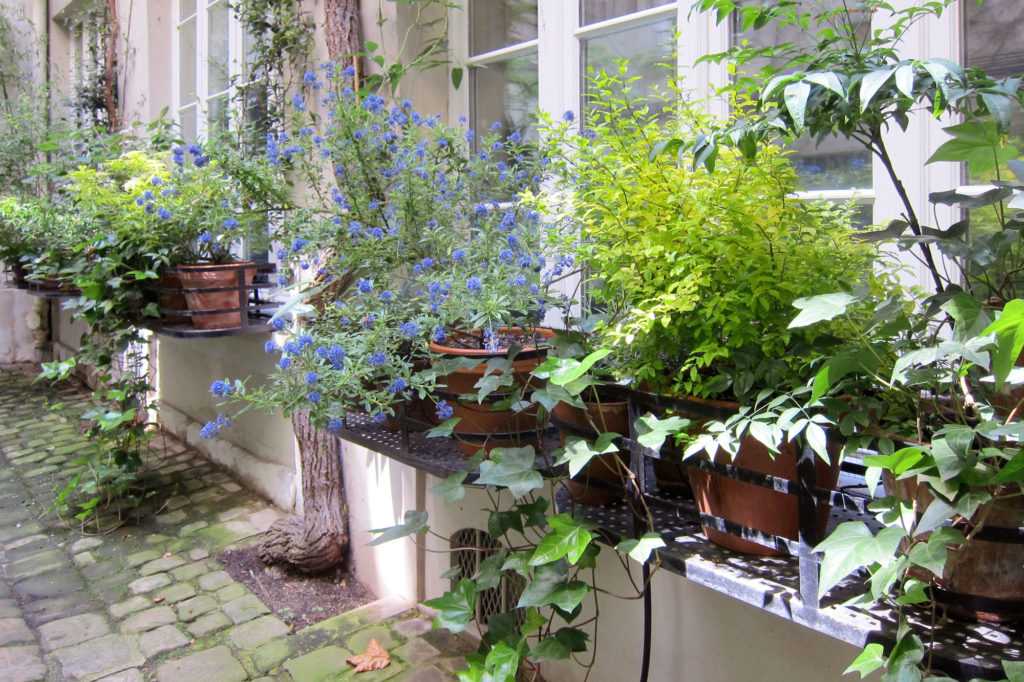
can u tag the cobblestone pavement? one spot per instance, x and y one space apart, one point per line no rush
149 601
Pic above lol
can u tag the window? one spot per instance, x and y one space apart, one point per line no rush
209 50
992 45
640 31
503 64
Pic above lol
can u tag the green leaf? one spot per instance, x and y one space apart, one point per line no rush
488 575
512 468
820 308
827 80
652 432
1009 331
931 555
445 429
455 608
639 549
578 451
502 663
905 80
500 522
937 513
868 661
818 441
851 546
541 588
415 522
568 374
451 488
1014 671
567 538
457 73
795 97
871 84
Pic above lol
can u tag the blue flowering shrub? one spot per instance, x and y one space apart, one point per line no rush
414 233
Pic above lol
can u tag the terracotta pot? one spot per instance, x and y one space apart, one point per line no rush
599 483
482 422
170 298
469 445
19 274
755 506
223 281
982 579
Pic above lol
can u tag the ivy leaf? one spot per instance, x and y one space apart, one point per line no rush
932 555
639 549
488 575
534 512
652 432
540 590
498 523
914 592
1014 671
851 546
415 522
565 642
445 429
820 308
501 664
868 661
567 538
578 452
569 596
937 513
456 607
511 468
451 488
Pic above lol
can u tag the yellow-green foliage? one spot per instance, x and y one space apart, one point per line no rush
696 271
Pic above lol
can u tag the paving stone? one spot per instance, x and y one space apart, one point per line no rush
232 513
85 544
198 554
130 675
161 565
190 571
230 532
41 611
417 651
74 630
9 609
215 581
156 539
359 640
231 592
53 584
99 658
413 627
129 606
190 609
149 583
209 623
140 558
25 541
163 639
176 502
40 562
245 609
256 632
431 674
149 619
231 487
83 559
318 666
272 654
22 664
176 593
171 518
15 631
191 528
212 664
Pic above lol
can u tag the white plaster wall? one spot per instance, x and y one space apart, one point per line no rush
185 369
699 635
66 333
22 319
379 491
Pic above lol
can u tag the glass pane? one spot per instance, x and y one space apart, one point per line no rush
187 9
648 48
189 123
505 92
593 11
495 24
992 45
187 65
248 55
217 113
217 48
835 162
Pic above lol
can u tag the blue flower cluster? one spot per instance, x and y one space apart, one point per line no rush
213 428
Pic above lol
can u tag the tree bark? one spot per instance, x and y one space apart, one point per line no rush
342 29
317 540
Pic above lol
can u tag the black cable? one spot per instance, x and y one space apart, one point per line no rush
645 665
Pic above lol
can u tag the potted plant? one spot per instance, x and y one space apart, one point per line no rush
16 238
697 273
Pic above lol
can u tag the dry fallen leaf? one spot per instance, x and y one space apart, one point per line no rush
374 658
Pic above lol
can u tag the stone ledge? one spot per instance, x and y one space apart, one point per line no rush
275 482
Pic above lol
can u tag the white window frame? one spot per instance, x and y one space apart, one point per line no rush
235 63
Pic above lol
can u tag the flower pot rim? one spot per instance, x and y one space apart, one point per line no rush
213 267
442 349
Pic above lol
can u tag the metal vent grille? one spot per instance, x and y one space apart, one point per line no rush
466 563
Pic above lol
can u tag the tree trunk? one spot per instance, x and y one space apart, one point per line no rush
316 541
342 29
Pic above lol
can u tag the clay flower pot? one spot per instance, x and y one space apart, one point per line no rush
482 424
599 483
171 299
216 288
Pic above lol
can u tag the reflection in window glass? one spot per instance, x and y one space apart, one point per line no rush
248 55
189 123
218 51
834 162
994 46
648 48
187 65
495 24
593 11
505 92
217 113
187 9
